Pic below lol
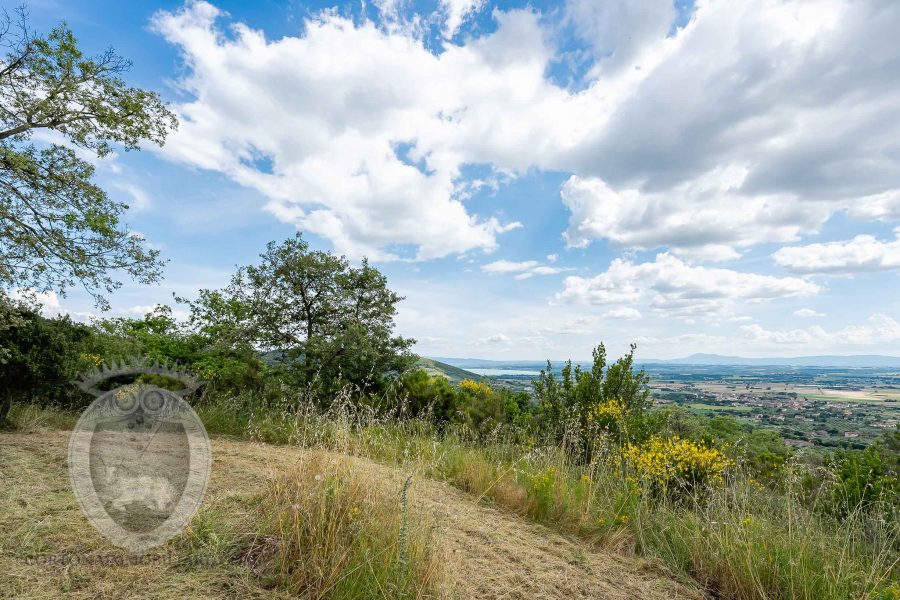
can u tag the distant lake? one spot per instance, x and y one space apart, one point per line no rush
503 372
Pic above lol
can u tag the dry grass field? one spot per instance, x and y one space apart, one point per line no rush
479 551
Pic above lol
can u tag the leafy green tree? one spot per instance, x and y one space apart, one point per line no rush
762 451
483 407
157 337
39 357
160 337
323 322
58 228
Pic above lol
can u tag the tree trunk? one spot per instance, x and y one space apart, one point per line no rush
5 406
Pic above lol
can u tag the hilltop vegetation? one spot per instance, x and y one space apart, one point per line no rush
435 368
300 349
730 508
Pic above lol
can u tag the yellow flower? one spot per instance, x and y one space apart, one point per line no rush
94 359
475 388
663 461
610 409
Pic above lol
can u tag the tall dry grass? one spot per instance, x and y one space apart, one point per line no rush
738 539
328 532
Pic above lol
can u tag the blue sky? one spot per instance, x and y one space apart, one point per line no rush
534 177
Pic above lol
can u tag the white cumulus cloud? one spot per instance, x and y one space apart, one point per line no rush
356 133
862 253
697 219
880 329
753 123
457 11
623 312
676 288
524 269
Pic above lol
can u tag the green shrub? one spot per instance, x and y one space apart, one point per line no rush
40 358
862 481
567 408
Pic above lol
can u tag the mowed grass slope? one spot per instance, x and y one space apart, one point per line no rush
282 521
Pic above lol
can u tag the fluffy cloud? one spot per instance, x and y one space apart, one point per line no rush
679 289
877 334
501 340
623 312
807 313
880 329
697 219
509 266
752 123
523 269
862 253
356 133
140 200
48 303
457 11
620 32
497 338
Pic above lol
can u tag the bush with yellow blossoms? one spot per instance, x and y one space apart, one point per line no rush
610 416
673 464
614 409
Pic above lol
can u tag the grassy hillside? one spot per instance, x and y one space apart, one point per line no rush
436 368
312 522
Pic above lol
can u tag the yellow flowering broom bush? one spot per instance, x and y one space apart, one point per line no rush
612 409
675 464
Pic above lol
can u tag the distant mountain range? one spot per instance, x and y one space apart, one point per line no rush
853 360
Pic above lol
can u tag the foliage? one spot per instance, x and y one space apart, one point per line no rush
39 357
158 336
483 408
677 466
603 400
322 322
475 407
739 540
56 226
864 480
421 395
762 452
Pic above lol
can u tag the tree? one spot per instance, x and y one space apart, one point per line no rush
57 228
418 394
160 337
39 357
323 321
